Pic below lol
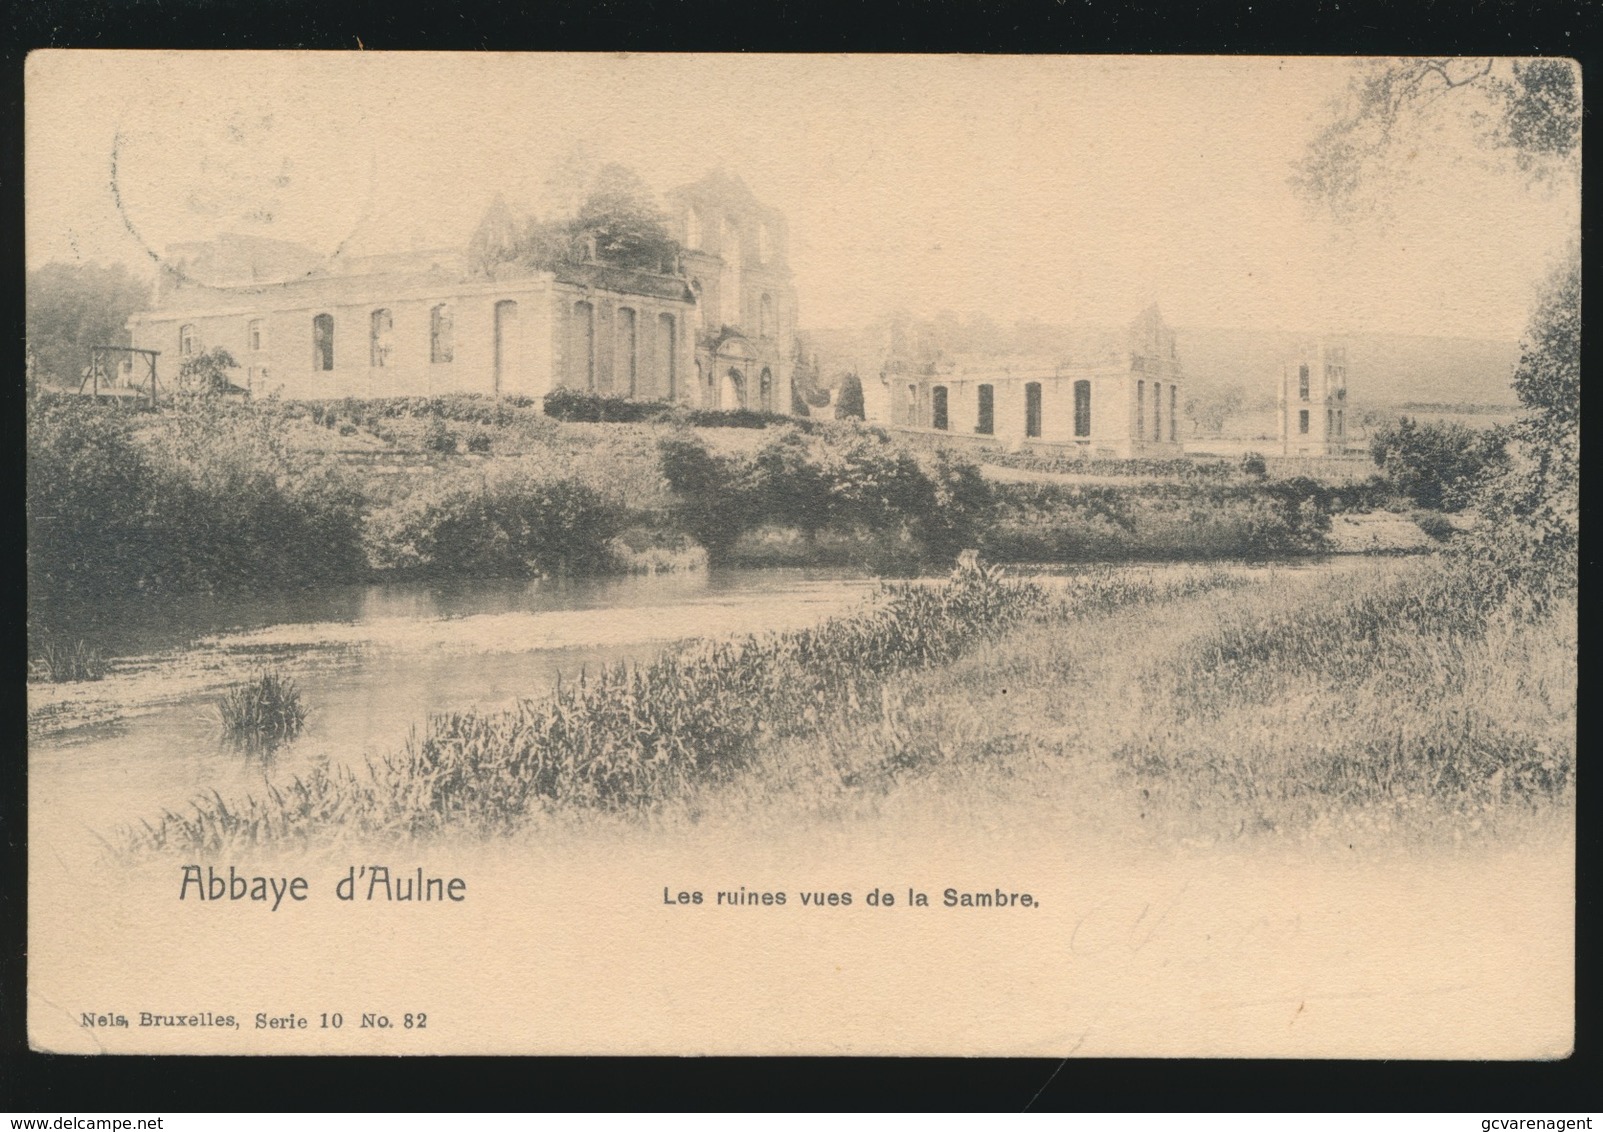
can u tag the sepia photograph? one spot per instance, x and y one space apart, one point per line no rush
680 554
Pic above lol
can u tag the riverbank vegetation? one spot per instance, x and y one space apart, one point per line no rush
212 495
262 711
637 736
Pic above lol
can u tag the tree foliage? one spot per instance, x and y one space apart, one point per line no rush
73 306
207 374
621 211
1527 111
1437 465
497 240
618 211
1532 504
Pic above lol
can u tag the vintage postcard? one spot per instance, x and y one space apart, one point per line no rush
682 554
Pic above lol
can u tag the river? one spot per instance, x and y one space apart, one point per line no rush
371 663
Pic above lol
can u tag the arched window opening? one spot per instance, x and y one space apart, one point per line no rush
256 335
765 317
910 410
1302 421
1174 415
729 285
508 345
628 344
765 391
442 347
1157 410
1302 383
323 342
188 341
1032 408
1082 408
737 385
701 308
667 355
582 346
380 328
1341 424
985 420
938 407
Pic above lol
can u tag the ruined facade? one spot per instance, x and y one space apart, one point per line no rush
715 329
1313 401
1117 395
735 265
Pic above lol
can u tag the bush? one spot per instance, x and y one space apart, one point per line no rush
1161 521
719 499
90 490
438 438
513 525
1252 464
849 401
204 500
1437 465
1436 526
598 408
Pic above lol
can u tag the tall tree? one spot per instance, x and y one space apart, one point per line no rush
73 306
496 241
621 211
1527 112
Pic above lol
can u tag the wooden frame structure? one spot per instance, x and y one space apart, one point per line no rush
100 363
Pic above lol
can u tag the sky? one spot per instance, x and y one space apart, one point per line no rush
1062 189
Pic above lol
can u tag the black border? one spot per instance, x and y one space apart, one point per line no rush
61 1084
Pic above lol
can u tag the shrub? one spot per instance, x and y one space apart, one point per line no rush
849 401
1163 521
90 489
596 408
512 525
438 438
1437 465
1252 464
1435 525
718 498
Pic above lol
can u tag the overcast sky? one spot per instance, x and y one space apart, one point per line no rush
1062 189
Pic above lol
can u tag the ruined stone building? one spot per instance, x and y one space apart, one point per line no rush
714 329
1117 394
1313 401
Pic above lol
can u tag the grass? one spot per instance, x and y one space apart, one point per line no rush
67 664
1359 705
265 710
1188 702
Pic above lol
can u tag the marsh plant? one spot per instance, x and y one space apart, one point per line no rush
264 711
61 663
